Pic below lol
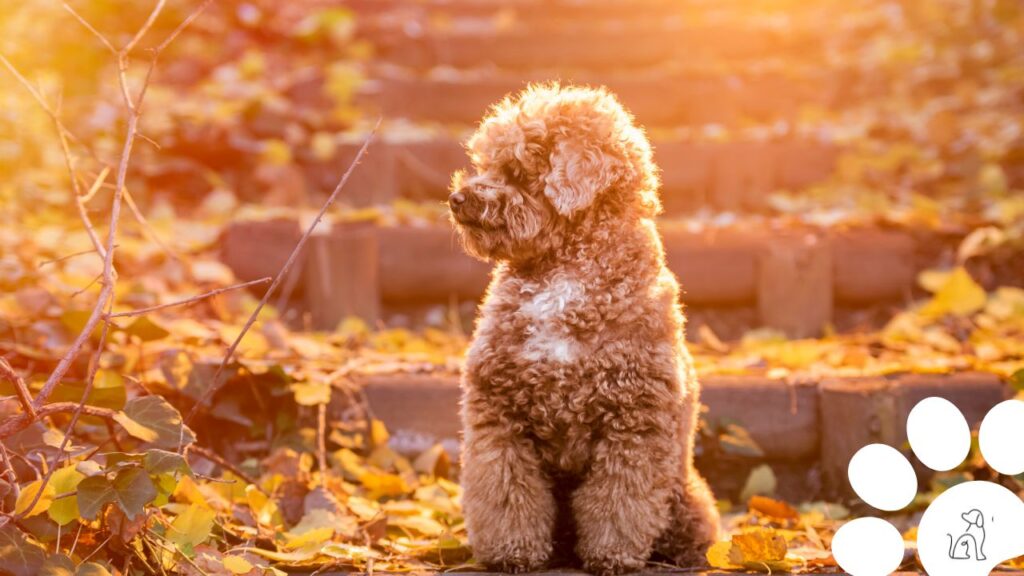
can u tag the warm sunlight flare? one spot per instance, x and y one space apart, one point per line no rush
421 286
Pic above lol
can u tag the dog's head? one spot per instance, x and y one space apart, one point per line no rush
541 161
974 518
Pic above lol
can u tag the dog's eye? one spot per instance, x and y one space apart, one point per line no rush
512 173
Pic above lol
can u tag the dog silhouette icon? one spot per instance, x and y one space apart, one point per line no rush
970 544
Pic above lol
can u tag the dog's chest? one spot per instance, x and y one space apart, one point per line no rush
541 329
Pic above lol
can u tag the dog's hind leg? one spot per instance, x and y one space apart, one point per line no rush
693 526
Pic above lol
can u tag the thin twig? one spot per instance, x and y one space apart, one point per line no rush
89 27
80 200
18 423
222 462
8 373
184 24
63 258
96 185
321 441
145 27
12 476
42 103
148 229
283 273
189 301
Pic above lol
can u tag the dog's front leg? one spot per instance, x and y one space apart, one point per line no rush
507 501
623 504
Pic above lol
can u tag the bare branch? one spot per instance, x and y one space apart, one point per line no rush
89 27
189 301
80 200
8 373
184 24
147 228
96 185
283 273
145 27
222 462
18 423
65 258
42 103
321 442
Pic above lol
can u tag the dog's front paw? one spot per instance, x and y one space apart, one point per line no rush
514 556
611 563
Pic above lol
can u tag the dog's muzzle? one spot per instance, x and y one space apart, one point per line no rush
464 205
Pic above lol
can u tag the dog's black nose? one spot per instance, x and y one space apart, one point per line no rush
456 198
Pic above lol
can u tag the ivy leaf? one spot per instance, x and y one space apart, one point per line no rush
157 415
19 556
137 430
158 462
57 565
94 493
64 510
134 490
92 569
192 527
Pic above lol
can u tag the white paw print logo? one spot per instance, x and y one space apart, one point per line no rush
968 529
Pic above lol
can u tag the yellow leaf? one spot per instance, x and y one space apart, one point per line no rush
265 509
276 152
757 546
28 494
312 393
718 556
311 537
378 433
237 564
382 485
959 295
64 510
192 527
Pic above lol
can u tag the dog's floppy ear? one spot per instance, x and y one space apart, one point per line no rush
578 174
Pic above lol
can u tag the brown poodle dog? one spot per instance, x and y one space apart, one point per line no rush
579 396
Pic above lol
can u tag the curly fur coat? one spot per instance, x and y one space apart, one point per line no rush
579 396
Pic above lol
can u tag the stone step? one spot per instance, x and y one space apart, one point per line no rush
527 8
656 98
590 45
795 278
734 175
803 425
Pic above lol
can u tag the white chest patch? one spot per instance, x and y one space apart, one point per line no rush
548 338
